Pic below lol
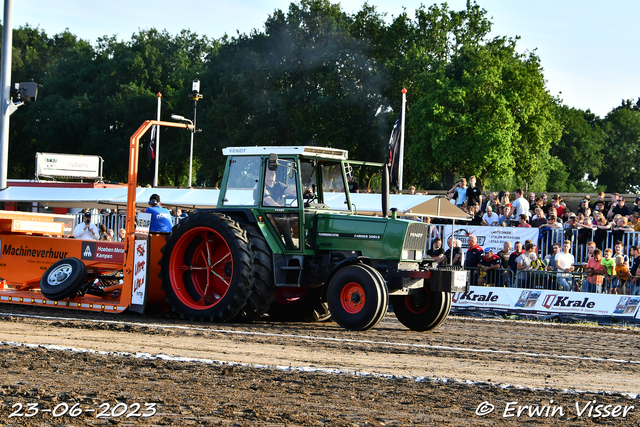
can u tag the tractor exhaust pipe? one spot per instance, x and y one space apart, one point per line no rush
385 191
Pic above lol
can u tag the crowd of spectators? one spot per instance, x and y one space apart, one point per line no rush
595 224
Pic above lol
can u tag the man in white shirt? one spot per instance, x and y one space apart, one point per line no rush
85 230
489 218
520 205
564 264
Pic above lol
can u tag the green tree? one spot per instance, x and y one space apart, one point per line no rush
621 157
486 113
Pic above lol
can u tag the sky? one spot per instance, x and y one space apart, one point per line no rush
588 49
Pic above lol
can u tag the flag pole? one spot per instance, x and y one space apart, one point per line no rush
401 157
157 145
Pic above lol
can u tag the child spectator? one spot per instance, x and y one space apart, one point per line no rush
622 276
610 268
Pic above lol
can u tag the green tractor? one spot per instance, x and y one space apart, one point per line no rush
277 244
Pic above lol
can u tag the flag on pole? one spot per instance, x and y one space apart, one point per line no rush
151 153
394 152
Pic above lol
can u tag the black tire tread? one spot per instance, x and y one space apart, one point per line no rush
234 300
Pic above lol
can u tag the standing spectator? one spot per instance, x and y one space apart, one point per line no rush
599 198
160 217
610 268
474 193
636 207
545 204
522 221
455 250
436 252
476 217
504 255
86 230
551 259
121 235
584 205
474 253
104 236
611 204
505 217
556 204
520 205
489 265
461 191
602 229
619 208
513 264
634 288
565 262
622 275
538 219
489 218
618 249
595 273
523 262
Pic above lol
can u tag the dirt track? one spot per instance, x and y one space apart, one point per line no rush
317 372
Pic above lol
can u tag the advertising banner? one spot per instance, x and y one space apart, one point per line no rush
139 272
493 237
68 165
540 301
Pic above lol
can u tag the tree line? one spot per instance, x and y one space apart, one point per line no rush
316 75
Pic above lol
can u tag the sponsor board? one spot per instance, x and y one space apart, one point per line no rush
536 301
143 222
102 251
139 272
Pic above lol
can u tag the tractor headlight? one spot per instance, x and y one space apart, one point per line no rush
405 254
418 255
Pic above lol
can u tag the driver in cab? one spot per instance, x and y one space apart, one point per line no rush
275 191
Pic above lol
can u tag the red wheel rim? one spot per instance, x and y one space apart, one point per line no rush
201 268
290 295
417 302
352 298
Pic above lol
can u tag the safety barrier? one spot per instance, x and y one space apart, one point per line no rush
579 239
575 281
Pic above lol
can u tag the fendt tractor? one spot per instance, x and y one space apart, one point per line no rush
271 245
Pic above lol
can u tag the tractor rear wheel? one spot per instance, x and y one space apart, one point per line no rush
63 278
206 267
299 305
422 310
357 297
263 288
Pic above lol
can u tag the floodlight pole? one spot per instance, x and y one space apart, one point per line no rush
6 104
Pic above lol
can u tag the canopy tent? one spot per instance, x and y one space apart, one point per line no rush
109 197
368 204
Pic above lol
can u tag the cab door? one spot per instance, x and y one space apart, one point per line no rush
282 204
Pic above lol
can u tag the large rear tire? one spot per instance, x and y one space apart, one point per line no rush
357 297
263 288
206 267
63 278
422 310
299 305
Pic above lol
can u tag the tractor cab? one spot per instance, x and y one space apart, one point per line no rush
285 185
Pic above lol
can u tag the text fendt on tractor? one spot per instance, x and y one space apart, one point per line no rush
271 245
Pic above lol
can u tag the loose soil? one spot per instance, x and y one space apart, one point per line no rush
273 374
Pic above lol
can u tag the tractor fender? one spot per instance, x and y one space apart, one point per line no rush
344 263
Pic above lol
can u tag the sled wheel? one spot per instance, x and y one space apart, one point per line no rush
357 298
422 310
206 267
299 305
63 278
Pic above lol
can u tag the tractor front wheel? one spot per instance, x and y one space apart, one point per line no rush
422 310
357 297
206 267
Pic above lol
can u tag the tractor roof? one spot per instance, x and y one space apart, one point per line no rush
305 151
